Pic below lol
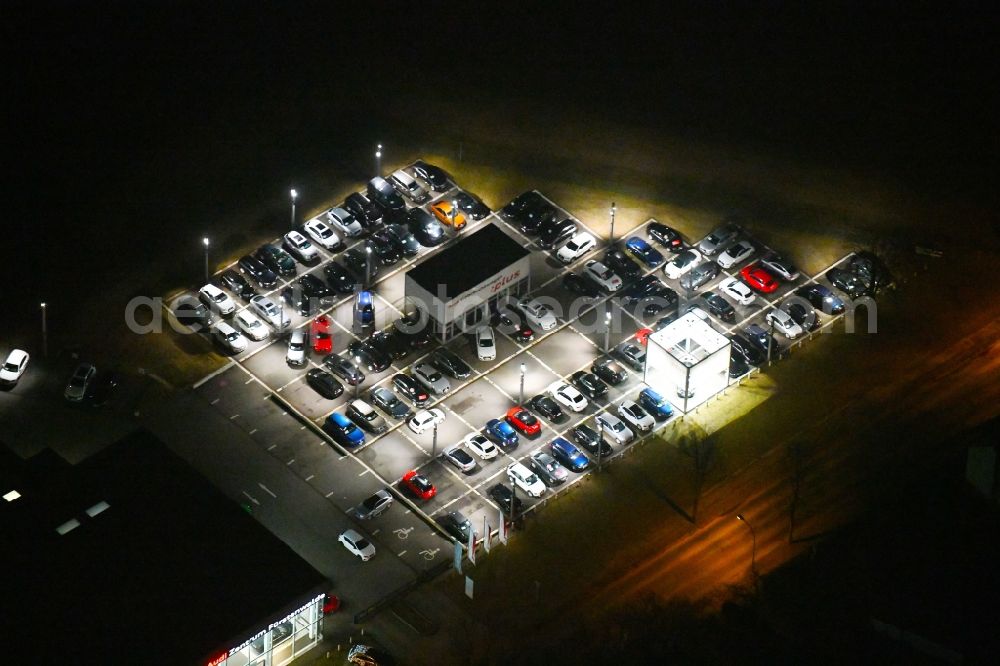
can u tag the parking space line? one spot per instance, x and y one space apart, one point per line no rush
266 490
252 431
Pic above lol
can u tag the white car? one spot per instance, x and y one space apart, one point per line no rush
217 299
481 446
576 247
344 222
737 290
299 245
270 312
735 254
538 314
614 427
14 366
322 234
251 326
296 354
460 458
357 545
76 389
602 275
486 344
230 338
432 378
567 396
636 416
783 323
682 263
525 479
425 419
781 267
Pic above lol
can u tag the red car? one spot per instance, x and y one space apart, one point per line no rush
524 421
759 279
642 335
321 337
419 485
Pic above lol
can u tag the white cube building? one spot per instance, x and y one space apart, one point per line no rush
687 362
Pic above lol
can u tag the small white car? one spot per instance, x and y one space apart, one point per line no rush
636 416
781 267
525 479
682 263
270 312
602 275
357 545
613 426
344 222
576 247
299 245
230 338
251 326
460 458
486 344
322 234
217 299
538 314
481 446
408 186
296 354
736 253
737 290
14 366
425 419
432 378
783 323
567 396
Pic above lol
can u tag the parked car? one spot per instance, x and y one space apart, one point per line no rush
522 202
321 234
425 228
365 416
718 306
401 238
299 247
715 241
343 222
344 368
276 259
384 248
537 313
432 378
295 298
871 270
609 371
760 338
486 349
737 290
643 251
567 396
759 279
504 497
780 266
620 263
591 441
472 205
635 416
460 458
783 323
501 433
217 300
381 192
736 253
255 269
314 288
412 329
16 363
319 333
748 351
458 526
547 407
357 545
237 284
374 505
800 312
192 313
589 384
533 217
700 275
363 210
523 421
547 468
481 446
568 455
448 215
577 246
407 185
525 479
250 325
738 365
368 357
448 362
682 262
338 278
410 388
231 340
343 431
555 232
602 276
821 298
849 283
419 485
76 388
581 285
655 405
665 236
512 324
269 311
432 175
613 426
324 383
632 354
387 401
646 286
357 261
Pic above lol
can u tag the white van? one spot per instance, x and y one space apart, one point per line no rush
408 186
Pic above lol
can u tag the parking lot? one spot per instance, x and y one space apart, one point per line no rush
272 402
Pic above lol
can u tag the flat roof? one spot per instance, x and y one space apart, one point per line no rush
132 557
468 263
690 339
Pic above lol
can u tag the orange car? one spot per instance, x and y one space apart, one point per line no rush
443 211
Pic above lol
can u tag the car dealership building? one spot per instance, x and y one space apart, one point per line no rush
687 362
458 287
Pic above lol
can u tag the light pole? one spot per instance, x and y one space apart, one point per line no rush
454 214
513 502
368 265
294 196
607 330
520 394
204 242
434 441
770 341
45 333
614 209
753 553
378 160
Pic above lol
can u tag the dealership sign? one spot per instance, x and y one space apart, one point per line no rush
221 658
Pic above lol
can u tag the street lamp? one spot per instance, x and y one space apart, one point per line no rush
294 196
607 330
520 395
204 242
614 209
753 553
454 214
378 160
434 441
45 333
368 265
770 341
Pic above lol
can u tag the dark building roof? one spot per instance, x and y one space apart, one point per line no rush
169 572
469 262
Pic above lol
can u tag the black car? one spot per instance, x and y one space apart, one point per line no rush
581 285
821 298
102 388
255 269
665 236
387 401
749 352
871 270
521 202
237 284
368 357
324 383
192 312
344 368
761 338
850 283
649 285
383 247
409 328
276 259
801 314
512 324
295 298
589 384
425 228
410 388
457 525
363 210
548 469
449 363
338 278
621 264
663 322
434 175
719 306
471 205
402 239
738 365
700 275
503 496
547 407
389 342
609 371
313 287
590 439
356 260
554 232
531 220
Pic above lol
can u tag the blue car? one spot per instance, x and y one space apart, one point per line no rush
364 308
502 433
644 252
567 454
654 403
343 431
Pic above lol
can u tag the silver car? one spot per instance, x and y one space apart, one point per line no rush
460 458
374 506
700 275
432 378
714 242
270 312
344 222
